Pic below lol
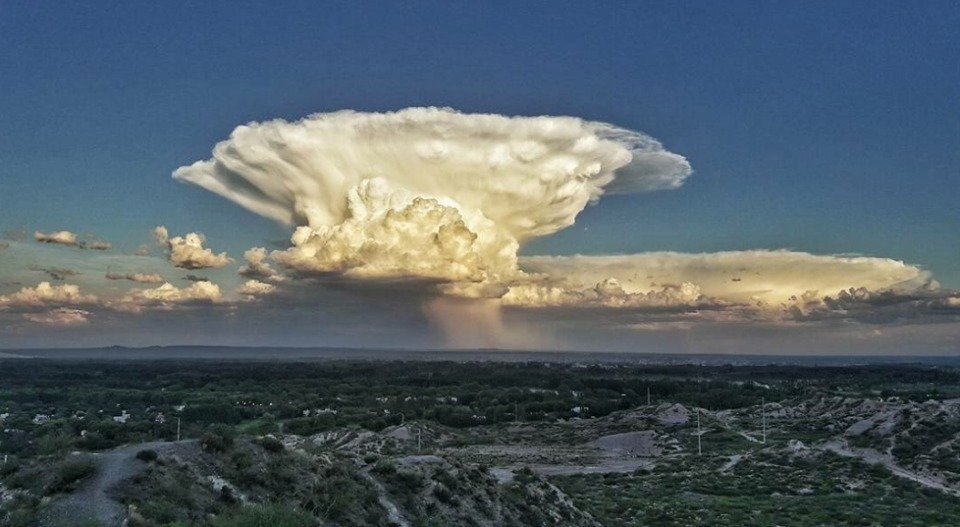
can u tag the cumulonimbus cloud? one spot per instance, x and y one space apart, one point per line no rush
427 192
449 198
188 252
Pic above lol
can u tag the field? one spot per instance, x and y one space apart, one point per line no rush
218 442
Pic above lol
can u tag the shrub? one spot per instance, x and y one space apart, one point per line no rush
217 439
21 518
271 444
9 467
70 472
147 455
265 516
54 443
443 494
384 468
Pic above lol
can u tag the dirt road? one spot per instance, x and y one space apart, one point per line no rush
91 503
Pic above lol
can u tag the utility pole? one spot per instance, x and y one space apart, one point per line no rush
648 396
178 429
699 446
419 443
763 418
516 412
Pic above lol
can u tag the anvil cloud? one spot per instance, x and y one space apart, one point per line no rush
427 193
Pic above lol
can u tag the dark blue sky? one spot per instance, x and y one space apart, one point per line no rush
820 126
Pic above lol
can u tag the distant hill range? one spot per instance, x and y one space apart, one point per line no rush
458 355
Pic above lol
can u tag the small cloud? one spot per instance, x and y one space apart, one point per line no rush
254 288
257 267
98 245
58 237
188 252
56 273
46 294
60 317
168 296
140 278
72 240
160 234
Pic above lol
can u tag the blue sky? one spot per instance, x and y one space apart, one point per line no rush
822 127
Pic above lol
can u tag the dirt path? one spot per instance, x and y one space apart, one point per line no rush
92 502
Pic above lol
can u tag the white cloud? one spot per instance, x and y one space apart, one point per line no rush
425 192
254 288
168 296
60 317
160 234
257 267
607 294
45 294
759 278
70 239
387 234
58 237
188 252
